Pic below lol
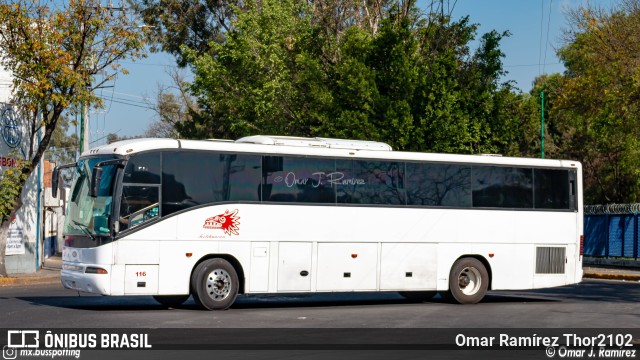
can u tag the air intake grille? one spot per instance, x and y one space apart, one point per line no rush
550 260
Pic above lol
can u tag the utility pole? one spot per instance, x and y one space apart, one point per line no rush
84 114
542 125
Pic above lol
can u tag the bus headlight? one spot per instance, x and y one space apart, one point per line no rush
72 267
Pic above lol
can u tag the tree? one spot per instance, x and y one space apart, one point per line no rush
58 54
414 83
172 109
598 100
113 137
255 81
62 147
180 24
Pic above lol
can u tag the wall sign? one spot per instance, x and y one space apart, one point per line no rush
11 133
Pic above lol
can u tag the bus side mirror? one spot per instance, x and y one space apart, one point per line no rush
55 177
96 176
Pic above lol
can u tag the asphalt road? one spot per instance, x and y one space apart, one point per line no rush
351 326
591 304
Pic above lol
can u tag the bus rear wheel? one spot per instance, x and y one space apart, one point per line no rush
171 300
468 281
215 284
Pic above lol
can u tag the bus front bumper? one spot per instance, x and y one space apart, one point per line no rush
74 277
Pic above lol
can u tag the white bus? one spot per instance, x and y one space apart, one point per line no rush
266 214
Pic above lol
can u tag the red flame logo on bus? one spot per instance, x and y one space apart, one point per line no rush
228 222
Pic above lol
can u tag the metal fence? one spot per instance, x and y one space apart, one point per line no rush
612 231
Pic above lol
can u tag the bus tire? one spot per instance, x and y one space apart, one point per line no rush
418 295
171 300
215 284
468 281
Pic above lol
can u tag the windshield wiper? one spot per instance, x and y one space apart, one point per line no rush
84 228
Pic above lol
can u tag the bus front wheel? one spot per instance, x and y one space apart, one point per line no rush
215 284
468 281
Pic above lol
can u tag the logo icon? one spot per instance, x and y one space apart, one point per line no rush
228 222
17 339
9 353
10 131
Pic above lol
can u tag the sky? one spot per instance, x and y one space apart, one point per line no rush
536 28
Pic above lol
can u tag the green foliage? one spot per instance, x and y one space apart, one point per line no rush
10 179
192 23
250 83
63 147
414 83
380 70
597 101
58 54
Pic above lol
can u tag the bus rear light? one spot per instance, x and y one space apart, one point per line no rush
68 242
581 245
95 270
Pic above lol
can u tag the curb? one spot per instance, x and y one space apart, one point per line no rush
28 280
623 277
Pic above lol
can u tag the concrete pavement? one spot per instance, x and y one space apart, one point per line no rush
50 273
611 273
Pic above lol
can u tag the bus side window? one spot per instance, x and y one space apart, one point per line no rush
371 182
139 204
143 168
552 189
431 184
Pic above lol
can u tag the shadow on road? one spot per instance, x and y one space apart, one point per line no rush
588 291
139 303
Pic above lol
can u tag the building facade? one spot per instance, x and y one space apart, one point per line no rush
24 252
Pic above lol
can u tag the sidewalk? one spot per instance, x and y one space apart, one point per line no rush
611 273
50 273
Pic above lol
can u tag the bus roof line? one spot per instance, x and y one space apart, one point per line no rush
315 142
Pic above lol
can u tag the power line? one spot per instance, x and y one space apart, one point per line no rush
129 100
130 95
540 45
130 104
149 64
546 46
531 65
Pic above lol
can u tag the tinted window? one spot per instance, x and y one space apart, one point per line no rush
370 182
143 169
242 173
502 187
298 179
438 185
188 179
192 178
139 204
551 189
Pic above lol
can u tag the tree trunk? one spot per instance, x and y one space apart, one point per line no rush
4 235
4 232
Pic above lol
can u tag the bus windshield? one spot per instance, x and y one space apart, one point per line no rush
87 215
